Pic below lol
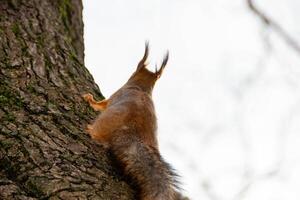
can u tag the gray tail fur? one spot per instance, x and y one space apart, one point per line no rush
145 167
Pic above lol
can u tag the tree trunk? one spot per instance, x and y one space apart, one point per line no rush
44 150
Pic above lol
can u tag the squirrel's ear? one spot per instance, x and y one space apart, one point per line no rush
162 67
142 63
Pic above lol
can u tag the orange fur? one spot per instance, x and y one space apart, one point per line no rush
96 105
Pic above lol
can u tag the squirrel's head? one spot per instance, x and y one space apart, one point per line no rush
144 78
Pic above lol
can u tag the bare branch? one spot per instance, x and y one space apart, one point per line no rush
268 21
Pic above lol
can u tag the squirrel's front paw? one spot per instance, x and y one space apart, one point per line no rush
87 96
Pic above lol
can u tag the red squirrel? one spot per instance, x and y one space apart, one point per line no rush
127 125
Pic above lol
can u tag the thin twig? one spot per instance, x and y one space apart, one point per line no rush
292 42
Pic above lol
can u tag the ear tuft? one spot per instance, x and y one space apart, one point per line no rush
162 67
142 63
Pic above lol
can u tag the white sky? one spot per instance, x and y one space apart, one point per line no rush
228 103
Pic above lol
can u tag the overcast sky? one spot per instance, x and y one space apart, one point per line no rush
228 102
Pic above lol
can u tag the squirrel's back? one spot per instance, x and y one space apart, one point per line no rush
132 109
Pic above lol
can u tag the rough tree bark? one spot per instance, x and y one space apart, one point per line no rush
44 151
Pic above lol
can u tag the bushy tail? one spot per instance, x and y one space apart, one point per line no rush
144 165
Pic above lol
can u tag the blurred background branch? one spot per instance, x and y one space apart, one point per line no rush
276 27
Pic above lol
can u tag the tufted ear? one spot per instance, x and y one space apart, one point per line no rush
162 67
142 64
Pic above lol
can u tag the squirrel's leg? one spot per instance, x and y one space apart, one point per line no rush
96 105
96 136
90 131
